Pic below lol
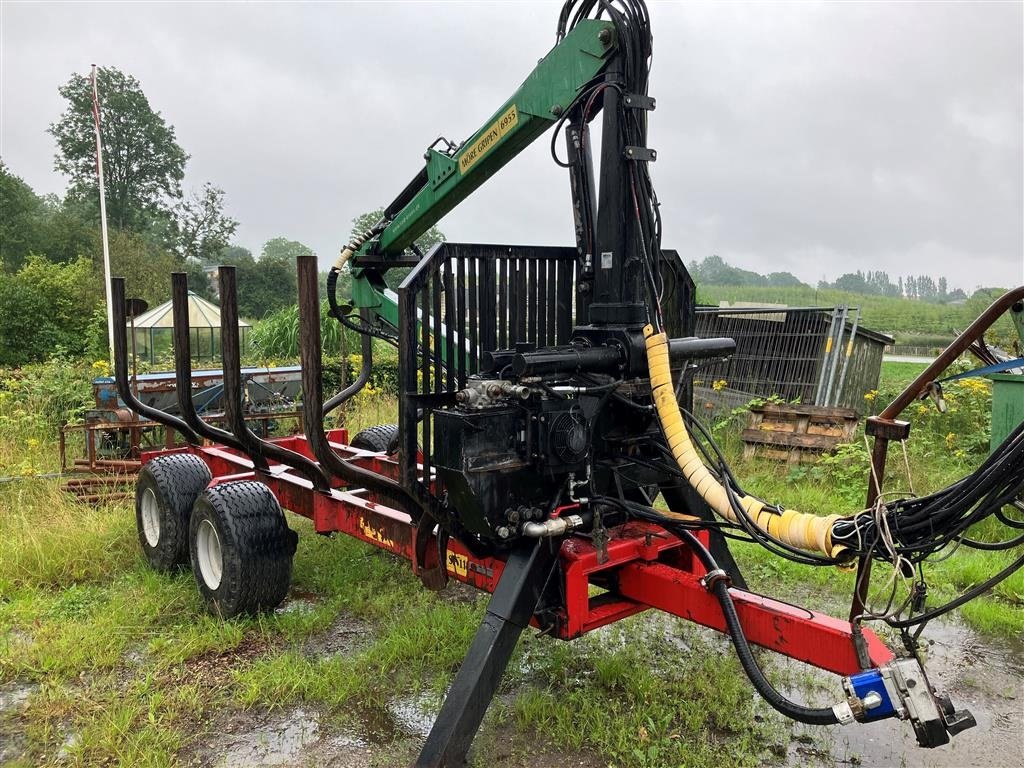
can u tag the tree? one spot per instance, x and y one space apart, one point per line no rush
145 267
199 281
200 229
852 282
285 251
40 225
236 255
784 280
21 213
142 161
46 308
269 283
265 287
394 276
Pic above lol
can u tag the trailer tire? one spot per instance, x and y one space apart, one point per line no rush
382 438
241 549
164 494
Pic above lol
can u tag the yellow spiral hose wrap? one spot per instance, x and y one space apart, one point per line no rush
797 529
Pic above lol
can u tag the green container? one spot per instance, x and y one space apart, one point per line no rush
1007 405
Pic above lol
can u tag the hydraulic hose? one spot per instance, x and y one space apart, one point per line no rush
797 529
343 258
718 585
365 369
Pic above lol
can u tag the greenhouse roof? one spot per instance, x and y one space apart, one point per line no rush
201 314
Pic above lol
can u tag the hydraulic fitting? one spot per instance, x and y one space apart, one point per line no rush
901 689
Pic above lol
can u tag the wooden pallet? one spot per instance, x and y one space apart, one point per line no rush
796 433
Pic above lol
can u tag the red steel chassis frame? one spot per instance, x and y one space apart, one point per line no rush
646 567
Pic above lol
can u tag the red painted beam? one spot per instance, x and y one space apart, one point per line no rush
816 638
643 567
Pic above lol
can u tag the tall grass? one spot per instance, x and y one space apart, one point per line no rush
276 336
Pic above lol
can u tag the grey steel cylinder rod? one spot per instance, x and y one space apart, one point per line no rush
693 348
569 359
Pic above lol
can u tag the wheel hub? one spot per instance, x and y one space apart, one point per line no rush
208 553
150 517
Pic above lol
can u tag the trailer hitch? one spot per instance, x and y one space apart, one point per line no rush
901 689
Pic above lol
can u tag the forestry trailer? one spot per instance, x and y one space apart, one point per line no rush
544 451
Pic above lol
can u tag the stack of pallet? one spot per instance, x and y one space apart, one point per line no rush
796 433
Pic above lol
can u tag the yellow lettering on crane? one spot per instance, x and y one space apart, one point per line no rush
489 139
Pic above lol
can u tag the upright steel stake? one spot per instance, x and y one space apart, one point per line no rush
846 360
819 394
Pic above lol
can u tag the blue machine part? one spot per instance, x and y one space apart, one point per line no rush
871 682
265 389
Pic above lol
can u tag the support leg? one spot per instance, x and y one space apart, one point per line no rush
508 614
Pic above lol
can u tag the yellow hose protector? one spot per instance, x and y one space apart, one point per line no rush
797 529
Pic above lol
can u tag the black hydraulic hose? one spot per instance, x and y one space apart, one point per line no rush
365 368
332 293
720 589
966 597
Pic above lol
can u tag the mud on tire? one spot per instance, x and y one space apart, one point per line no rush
241 549
164 494
382 438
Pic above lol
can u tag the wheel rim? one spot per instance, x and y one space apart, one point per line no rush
150 517
211 563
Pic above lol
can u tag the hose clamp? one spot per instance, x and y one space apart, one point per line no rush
711 578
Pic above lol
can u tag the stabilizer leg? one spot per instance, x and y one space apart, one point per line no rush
512 605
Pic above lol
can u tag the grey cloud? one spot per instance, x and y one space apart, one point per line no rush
810 138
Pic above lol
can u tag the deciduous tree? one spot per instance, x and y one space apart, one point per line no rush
200 229
143 163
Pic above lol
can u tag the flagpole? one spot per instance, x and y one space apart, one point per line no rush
103 215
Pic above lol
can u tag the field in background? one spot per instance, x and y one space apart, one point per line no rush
911 322
109 663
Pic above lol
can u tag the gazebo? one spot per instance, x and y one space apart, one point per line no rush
154 331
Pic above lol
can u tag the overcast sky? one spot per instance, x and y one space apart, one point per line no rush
811 138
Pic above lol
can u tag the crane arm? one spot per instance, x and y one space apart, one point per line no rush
451 176
453 172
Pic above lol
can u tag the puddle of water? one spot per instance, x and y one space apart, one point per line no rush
276 742
13 696
298 601
70 746
415 715
405 717
345 636
297 737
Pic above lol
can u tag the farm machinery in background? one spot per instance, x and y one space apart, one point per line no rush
112 437
543 408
